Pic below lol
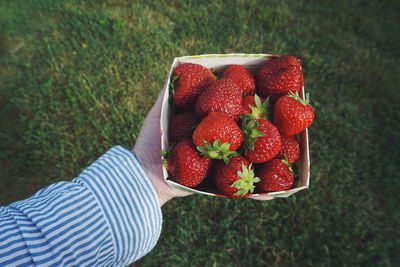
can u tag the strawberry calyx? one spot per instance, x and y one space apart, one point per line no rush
166 155
259 111
250 133
214 75
193 126
217 151
296 97
172 84
171 89
287 164
246 182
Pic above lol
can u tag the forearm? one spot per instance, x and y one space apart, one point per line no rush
109 215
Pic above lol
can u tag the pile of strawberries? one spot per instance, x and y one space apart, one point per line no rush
239 131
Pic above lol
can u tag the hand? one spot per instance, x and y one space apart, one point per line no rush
148 151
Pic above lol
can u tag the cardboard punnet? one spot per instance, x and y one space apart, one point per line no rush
219 62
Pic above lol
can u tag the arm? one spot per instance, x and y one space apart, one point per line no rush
109 215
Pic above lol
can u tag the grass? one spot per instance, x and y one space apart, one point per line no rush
78 77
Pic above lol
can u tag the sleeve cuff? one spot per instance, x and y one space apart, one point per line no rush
129 201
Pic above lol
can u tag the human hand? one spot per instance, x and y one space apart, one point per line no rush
148 150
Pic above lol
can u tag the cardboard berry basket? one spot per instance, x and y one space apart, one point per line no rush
219 62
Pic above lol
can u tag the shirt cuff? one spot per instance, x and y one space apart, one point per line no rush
129 201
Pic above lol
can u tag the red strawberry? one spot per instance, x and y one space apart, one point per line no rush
262 140
292 114
243 77
235 179
186 165
182 126
188 82
275 175
255 107
217 136
279 76
290 148
223 95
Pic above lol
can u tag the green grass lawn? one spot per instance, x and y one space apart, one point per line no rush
78 77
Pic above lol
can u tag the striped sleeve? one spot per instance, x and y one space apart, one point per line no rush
108 216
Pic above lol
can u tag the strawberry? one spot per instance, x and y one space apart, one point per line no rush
279 76
188 82
262 140
255 107
223 95
290 149
235 179
292 114
243 77
186 165
182 126
275 175
218 136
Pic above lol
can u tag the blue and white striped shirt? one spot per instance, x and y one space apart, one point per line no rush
108 216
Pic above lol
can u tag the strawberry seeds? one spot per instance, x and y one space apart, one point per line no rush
228 137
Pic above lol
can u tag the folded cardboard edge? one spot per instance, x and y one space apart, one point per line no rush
259 196
243 55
